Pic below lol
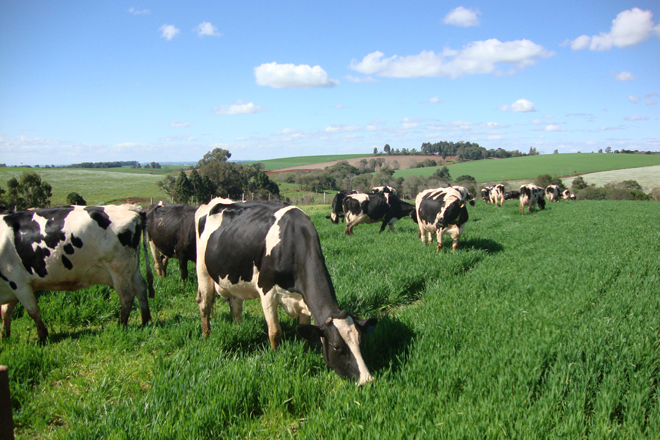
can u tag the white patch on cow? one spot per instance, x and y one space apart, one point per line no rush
351 335
273 236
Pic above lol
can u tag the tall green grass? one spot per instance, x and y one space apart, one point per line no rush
539 326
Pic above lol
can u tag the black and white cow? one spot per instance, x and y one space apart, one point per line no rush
71 248
512 195
441 211
172 235
496 195
337 213
271 251
371 208
485 193
552 193
383 190
566 195
465 194
531 195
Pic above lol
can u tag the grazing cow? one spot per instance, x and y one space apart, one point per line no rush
531 195
485 193
337 213
271 251
566 195
496 195
465 194
383 190
71 248
552 193
441 211
372 208
172 235
512 195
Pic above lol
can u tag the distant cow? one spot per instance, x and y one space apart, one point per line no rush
566 195
531 195
552 193
271 251
172 235
485 193
441 211
337 213
496 195
71 248
383 190
371 208
512 195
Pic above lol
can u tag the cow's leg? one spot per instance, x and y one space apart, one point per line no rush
32 308
349 227
183 268
7 311
438 233
205 292
236 307
454 233
140 288
422 232
158 259
269 305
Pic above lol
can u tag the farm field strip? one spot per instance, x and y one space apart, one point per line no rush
543 325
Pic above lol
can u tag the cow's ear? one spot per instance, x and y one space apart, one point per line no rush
367 325
309 331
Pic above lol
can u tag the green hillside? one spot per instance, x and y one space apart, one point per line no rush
276 164
529 167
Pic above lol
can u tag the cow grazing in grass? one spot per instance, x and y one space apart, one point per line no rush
485 193
552 193
172 235
566 195
337 213
271 251
441 211
496 195
71 248
531 196
383 190
371 208
512 195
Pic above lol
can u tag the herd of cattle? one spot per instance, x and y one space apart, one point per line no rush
242 250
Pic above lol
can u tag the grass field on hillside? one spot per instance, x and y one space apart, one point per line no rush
539 326
276 164
529 167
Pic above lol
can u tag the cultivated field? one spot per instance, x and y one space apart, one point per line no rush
539 326
648 177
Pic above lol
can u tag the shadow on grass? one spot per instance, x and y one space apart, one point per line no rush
484 244
388 346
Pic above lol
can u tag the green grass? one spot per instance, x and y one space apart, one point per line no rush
276 164
539 326
529 167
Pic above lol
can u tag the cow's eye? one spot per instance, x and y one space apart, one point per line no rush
335 347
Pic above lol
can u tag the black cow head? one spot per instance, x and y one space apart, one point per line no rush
541 203
336 351
450 215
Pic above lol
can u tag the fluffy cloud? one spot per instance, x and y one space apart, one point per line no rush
134 11
290 76
360 79
180 124
520 106
462 17
552 127
339 128
624 76
237 108
477 57
650 101
206 28
168 31
434 100
633 99
629 28
636 118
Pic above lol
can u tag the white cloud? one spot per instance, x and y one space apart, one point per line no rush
409 125
180 124
636 118
538 122
630 27
206 28
338 107
289 76
624 76
339 128
360 79
134 11
650 101
494 137
237 108
633 99
241 139
462 17
489 125
434 100
552 127
520 106
477 57
168 31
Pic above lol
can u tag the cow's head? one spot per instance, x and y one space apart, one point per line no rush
334 217
341 338
450 214
541 203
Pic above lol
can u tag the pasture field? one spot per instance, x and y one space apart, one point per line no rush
285 162
529 167
539 326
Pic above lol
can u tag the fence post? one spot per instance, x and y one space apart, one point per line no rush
6 418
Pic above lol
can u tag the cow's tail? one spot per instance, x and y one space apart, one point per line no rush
150 275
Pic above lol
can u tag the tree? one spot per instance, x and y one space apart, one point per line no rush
442 174
184 190
532 152
375 150
387 149
578 184
555 152
28 191
600 150
168 185
543 180
73 198
217 154
608 149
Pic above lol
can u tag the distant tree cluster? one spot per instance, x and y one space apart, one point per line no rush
215 176
153 165
28 191
626 190
117 164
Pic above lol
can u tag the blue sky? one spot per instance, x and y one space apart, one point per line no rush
168 81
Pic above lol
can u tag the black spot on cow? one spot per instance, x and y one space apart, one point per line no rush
68 249
76 241
27 233
11 283
126 238
98 214
67 263
54 225
201 224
